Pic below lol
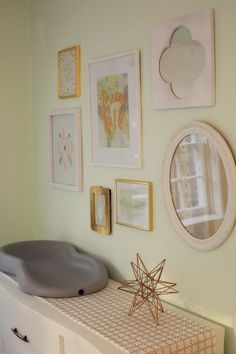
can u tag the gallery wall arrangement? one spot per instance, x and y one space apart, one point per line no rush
192 181
182 71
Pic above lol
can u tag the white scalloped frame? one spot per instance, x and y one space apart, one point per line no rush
230 169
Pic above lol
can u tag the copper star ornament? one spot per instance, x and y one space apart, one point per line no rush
148 287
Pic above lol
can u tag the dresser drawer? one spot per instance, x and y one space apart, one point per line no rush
78 345
24 334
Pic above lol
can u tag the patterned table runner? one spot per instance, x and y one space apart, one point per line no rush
105 313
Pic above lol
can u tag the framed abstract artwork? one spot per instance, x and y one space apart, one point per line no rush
100 209
65 149
69 72
183 70
115 111
134 204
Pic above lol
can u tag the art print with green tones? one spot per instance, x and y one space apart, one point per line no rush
134 204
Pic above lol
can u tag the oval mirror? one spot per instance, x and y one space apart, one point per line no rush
200 185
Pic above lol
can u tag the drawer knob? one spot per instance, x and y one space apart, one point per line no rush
19 335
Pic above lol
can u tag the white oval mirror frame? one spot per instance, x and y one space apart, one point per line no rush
230 170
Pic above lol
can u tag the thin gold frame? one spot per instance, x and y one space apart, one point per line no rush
77 71
149 203
106 230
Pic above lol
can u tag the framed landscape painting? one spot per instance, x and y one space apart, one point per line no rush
115 111
134 204
65 149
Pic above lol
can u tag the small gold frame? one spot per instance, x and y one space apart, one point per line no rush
134 204
100 209
69 72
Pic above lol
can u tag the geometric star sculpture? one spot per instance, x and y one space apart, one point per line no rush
147 288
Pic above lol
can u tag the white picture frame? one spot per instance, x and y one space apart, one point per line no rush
65 149
115 111
200 26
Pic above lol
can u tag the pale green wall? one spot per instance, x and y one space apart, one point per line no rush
15 128
104 27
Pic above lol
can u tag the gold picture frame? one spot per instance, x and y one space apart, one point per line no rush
69 72
134 204
100 209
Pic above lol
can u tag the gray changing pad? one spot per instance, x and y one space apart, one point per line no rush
52 268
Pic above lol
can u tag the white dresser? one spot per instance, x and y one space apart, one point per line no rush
98 323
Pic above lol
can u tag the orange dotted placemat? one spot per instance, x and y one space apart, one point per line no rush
105 313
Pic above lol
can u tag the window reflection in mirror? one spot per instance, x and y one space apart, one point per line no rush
198 186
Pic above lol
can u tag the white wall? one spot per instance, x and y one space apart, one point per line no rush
15 129
105 27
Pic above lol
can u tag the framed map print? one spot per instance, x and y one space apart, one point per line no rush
115 111
100 209
65 149
69 72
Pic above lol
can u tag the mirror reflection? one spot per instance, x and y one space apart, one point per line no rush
198 186
182 62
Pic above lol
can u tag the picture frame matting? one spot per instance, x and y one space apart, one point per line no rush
65 149
134 204
115 111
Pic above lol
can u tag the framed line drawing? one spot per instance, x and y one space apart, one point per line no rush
134 204
69 72
100 209
115 111
65 149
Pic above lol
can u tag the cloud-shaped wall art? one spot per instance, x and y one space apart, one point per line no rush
183 62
